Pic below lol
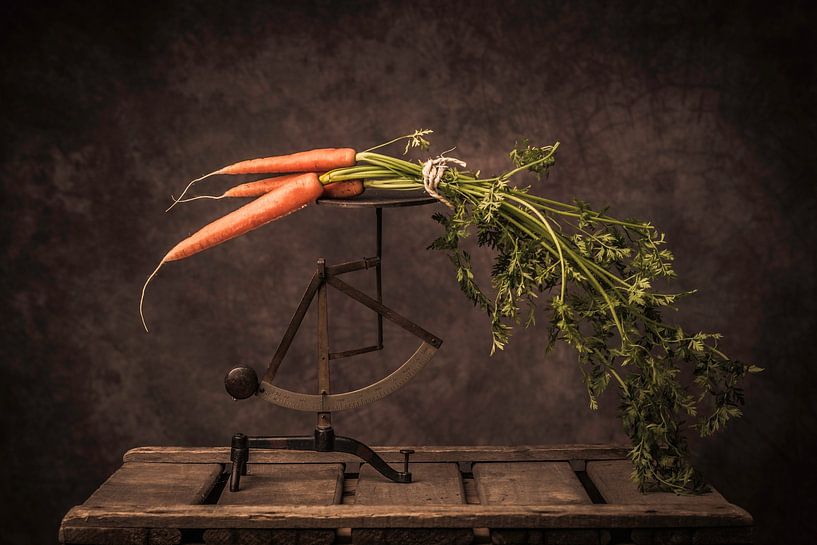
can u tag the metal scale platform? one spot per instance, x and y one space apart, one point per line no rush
242 382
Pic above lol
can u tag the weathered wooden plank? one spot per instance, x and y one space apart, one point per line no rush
528 483
612 479
268 537
432 484
103 536
146 484
532 483
281 484
140 484
429 516
287 484
221 455
120 536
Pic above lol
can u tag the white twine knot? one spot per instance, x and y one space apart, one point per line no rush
433 171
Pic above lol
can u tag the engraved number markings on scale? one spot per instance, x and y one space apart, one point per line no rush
356 398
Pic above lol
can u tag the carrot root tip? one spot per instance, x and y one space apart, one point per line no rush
190 199
186 189
142 298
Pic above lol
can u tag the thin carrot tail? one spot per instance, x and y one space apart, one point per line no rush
190 199
142 298
186 189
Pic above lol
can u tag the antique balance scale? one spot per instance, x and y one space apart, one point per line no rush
548 493
242 382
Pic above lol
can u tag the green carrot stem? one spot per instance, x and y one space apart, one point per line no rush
609 277
580 262
359 175
389 162
527 166
556 242
416 138
396 185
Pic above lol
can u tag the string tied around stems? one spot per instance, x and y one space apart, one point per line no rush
433 171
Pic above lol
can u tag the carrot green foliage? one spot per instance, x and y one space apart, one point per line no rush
592 279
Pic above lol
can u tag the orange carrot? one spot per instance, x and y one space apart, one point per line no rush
343 190
335 190
316 160
260 187
283 200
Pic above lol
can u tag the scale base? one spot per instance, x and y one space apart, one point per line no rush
323 440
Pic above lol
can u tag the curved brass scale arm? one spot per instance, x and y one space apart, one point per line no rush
356 398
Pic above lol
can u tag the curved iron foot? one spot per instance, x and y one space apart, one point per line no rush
353 446
324 440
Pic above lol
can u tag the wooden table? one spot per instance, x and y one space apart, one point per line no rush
573 495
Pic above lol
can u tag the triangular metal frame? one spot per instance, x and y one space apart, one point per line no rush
324 400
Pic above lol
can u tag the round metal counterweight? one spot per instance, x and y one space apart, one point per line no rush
241 382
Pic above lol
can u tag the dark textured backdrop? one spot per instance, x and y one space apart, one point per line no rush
699 118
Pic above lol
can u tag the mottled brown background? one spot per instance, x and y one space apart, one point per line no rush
698 117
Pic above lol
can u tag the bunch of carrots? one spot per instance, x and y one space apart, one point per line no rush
275 197
603 275
303 177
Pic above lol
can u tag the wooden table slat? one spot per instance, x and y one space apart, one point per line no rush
432 484
528 483
430 516
104 536
532 483
612 479
221 455
287 484
146 484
